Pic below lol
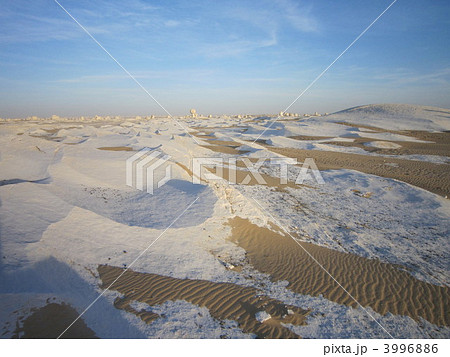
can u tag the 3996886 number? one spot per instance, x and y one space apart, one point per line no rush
410 348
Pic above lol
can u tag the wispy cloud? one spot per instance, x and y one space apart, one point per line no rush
172 23
116 9
297 16
188 49
271 15
256 25
31 22
166 75
236 47
39 21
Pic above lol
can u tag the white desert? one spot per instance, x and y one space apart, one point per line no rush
234 251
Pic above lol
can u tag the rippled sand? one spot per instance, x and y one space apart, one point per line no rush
383 287
225 301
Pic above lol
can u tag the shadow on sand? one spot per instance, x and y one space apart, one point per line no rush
60 282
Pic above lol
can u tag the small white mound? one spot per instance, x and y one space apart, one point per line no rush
396 117
262 316
383 145
38 132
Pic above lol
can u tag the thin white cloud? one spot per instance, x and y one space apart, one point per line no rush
171 75
260 24
172 23
236 47
39 21
273 14
299 17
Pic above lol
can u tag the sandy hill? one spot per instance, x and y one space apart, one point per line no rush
396 117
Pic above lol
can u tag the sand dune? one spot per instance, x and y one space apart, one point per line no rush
429 176
224 149
383 287
76 207
224 300
396 116
249 179
438 143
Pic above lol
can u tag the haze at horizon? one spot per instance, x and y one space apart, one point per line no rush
232 57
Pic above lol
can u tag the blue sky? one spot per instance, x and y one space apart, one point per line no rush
220 56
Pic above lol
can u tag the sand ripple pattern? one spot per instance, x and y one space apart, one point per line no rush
429 176
224 300
383 287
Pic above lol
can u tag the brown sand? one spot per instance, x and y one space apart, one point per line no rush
213 141
439 142
51 320
229 147
49 138
429 176
224 149
116 148
224 146
55 130
241 175
381 286
223 300
439 145
203 136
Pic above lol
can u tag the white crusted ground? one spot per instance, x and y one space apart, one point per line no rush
65 208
